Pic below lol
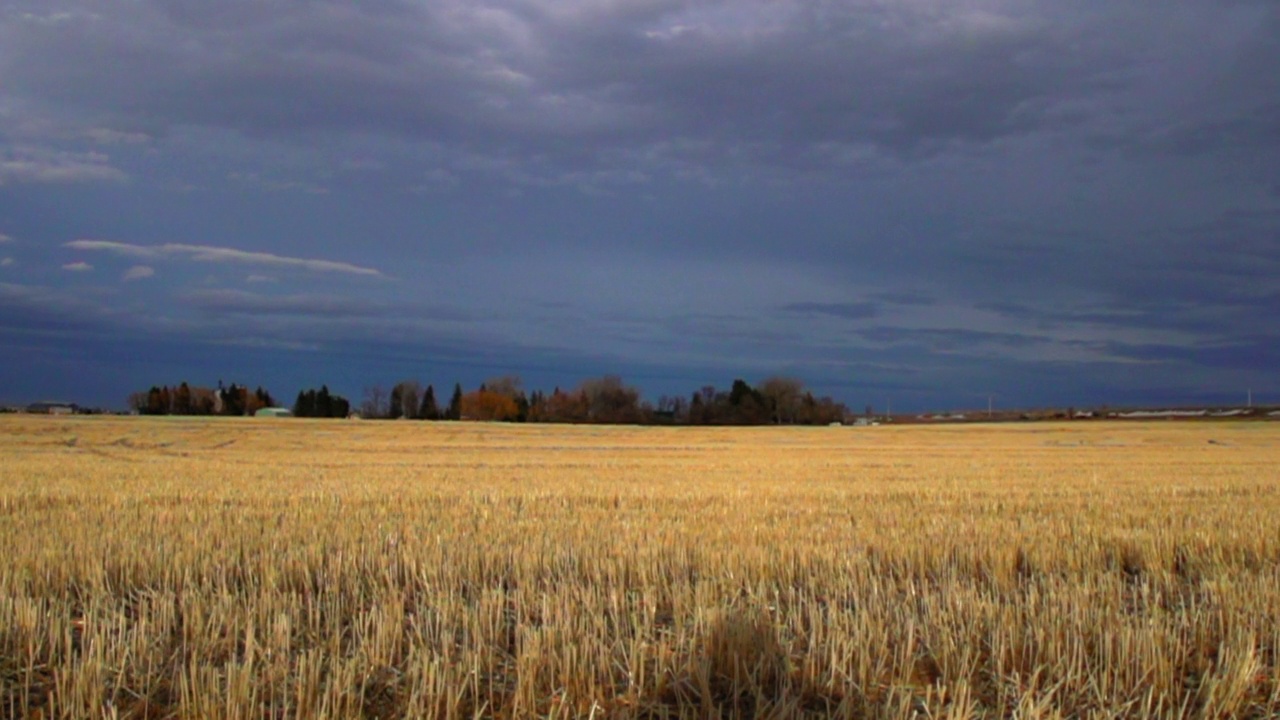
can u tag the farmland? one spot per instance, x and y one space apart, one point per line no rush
227 568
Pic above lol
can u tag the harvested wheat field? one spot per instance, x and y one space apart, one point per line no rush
219 568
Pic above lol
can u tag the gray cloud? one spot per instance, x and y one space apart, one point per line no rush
38 165
138 272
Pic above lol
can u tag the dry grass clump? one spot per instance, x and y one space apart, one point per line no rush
175 568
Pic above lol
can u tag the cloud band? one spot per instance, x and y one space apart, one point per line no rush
210 253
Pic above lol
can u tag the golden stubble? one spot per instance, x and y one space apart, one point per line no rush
244 568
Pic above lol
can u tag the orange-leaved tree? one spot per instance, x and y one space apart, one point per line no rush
486 404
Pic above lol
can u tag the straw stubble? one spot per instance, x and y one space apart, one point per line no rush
286 568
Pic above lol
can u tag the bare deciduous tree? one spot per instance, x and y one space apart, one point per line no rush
404 399
375 402
507 385
783 395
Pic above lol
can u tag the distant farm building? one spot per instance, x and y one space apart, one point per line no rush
273 412
52 408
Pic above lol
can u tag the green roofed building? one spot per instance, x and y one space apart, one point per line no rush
273 412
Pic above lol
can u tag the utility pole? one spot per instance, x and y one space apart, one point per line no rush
991 404
1250 397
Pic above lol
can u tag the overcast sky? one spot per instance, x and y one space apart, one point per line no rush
922 202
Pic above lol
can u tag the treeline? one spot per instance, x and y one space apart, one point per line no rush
608 400
187 400
605 400
321 404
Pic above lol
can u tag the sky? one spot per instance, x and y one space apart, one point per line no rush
920 203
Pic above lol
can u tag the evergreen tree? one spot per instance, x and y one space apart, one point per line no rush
749 406
304 406
234 400
321 404
455 403
324 403
339 407
182 399
154 406
396 401
429 409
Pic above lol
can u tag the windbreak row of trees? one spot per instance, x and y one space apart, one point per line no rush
608 400
185 399
410 401
778 400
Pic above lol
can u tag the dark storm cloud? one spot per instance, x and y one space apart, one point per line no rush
309 329
585 83
1258 128
32 310
913 87
429 71
729 330
848 311
239 302
1242 353
961 193
1150 316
